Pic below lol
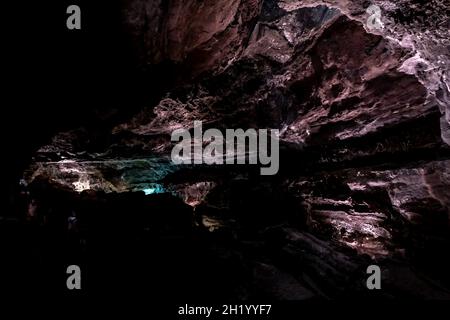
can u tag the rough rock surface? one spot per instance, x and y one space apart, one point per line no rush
364 117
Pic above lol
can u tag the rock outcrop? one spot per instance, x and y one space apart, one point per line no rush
364 120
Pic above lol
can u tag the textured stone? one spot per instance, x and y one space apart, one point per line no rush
364 118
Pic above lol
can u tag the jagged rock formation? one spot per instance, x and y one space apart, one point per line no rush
364 117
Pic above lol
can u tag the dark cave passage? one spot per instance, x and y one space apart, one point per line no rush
364 168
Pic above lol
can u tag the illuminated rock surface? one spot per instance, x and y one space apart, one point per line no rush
365 160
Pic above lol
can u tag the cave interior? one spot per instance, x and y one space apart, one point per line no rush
364 174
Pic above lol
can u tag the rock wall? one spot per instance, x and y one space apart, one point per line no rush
364 117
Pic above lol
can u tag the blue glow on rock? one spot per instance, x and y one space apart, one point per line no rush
153 189
149 191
